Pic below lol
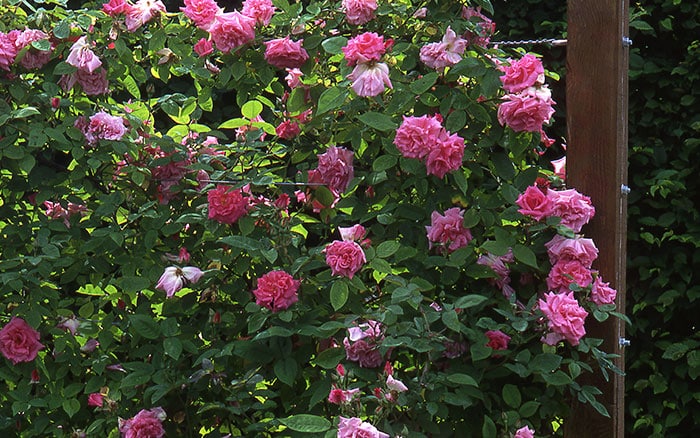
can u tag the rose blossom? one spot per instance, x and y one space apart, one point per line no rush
445 53
356 428
288 130
145 424
175 278
370 79
260 10
574 209
225 205
524 432
103 126
335 168
395 385
114 8
445 155
364 48
522 74
8 49
142 12
416 135
19 342
485 27
95 399
534 203
355 233
526 111
82 57
578 248
602 293
276 290
365 354
448 229
559 166
344 258
33 58
566 272
231 30
371 329
285 53
201 12
203 47
339 396
293 77
565 317
93 83
497 340
359 11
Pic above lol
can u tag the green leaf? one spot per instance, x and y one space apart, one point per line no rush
330 358
286 370
451 320
528 409
378 121
25 112
172 347
331 99
306 423
423 84
62 29
334 45
339 294
131 86
456 120
145 326
525 255
387 248
545 362
71 406
242 242
251 109
675 351
468 301
384 162
488 430
462 379
511 395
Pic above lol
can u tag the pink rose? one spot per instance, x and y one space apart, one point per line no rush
497 340
364 48
114 8
259 10
82 57
93 84
335 168
8 49
203 47
565 317
285 53
145 424
372 330
175 278
276 290
522 74
534 203
142 12
566 272
485 27
524 432
231 30
574 209
33 58
225 205
578 248
602 293
95 399
448 230
445 53
288 130
201 12
339 396
365 354
395 384
344 258
526 111
352 234
356 428
416 135
370 79
104 126
293 77
445 155
559 166
19 342
359 11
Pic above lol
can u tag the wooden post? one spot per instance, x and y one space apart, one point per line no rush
596 96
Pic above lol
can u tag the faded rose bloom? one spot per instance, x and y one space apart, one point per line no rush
371 329
339 396
82 57
203 47
578 248
566 272
445 155
359 11
293 77
225 205
231 30
8 49
146 424
288 130
55 210
364 48
445 53
522 74
448 230
344 258
526 111
485 27
395 385
103 126
201 12
497 340
90 346
95 399
365 354
352 234
370 79
142 12
175 278
19 342
276 290
524 432
93 83
260 10
559 166
417 135
285 53
114 8
574 209
356 428
33 58
335 168
602 293
454 349
69 324
566 318
534 203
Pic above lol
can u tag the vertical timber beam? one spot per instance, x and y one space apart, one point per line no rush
596 94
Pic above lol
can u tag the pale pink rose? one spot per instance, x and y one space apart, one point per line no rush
522 74
524 432
344 258
93 84
356 428
363 48
104 126
276 290
448 230
416 135
114 8
33 58
352 234
534 203
201 12
142 12
335 168
231 30
55 210
445 155
602 293
559 166
497 340
578 248
339 396
445 53
225 205
203 47
498 265
371 329
574 209
526 111
285 53
82 57
359 11
8 49
293 77
566 318
95 399
395 385
19 342
485 27
260 10
145 424
370 79
288 130
69 324
175 278
566 272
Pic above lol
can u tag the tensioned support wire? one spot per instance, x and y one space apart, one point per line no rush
541 41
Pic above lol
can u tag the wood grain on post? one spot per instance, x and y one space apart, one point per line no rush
596 96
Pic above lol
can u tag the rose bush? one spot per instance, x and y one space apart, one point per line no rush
242 143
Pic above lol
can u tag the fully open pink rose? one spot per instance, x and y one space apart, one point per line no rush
148 423
335 168
32 58
522 74
526 111
445 155
497 340
276 290
363 48
103 126
578 248
445 53
566 318
574 209
602 293
259 10
359 11
231 30
370 79
285 53
448 230
226 205
19 342
417 135
534 203
8 49
524 432
82 57
344 258
174 278
566 272
93 83
201 12
356 428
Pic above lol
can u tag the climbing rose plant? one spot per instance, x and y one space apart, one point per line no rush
325 218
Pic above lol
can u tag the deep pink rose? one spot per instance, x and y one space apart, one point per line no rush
534 203
335 168
33 58
448 230
145 424
526 111
574 209
285 53
201 12
276 290
339 396
370 79
365 47
259 10
95 399
522 74
8 49
416 135
445 155
114 8
497 340
203 47
356 428
578 248
19 342
93 84
524 432
225 205
566 272
445 53
344 258
602 293
288 130
231 30
82 57
359 11
565 317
